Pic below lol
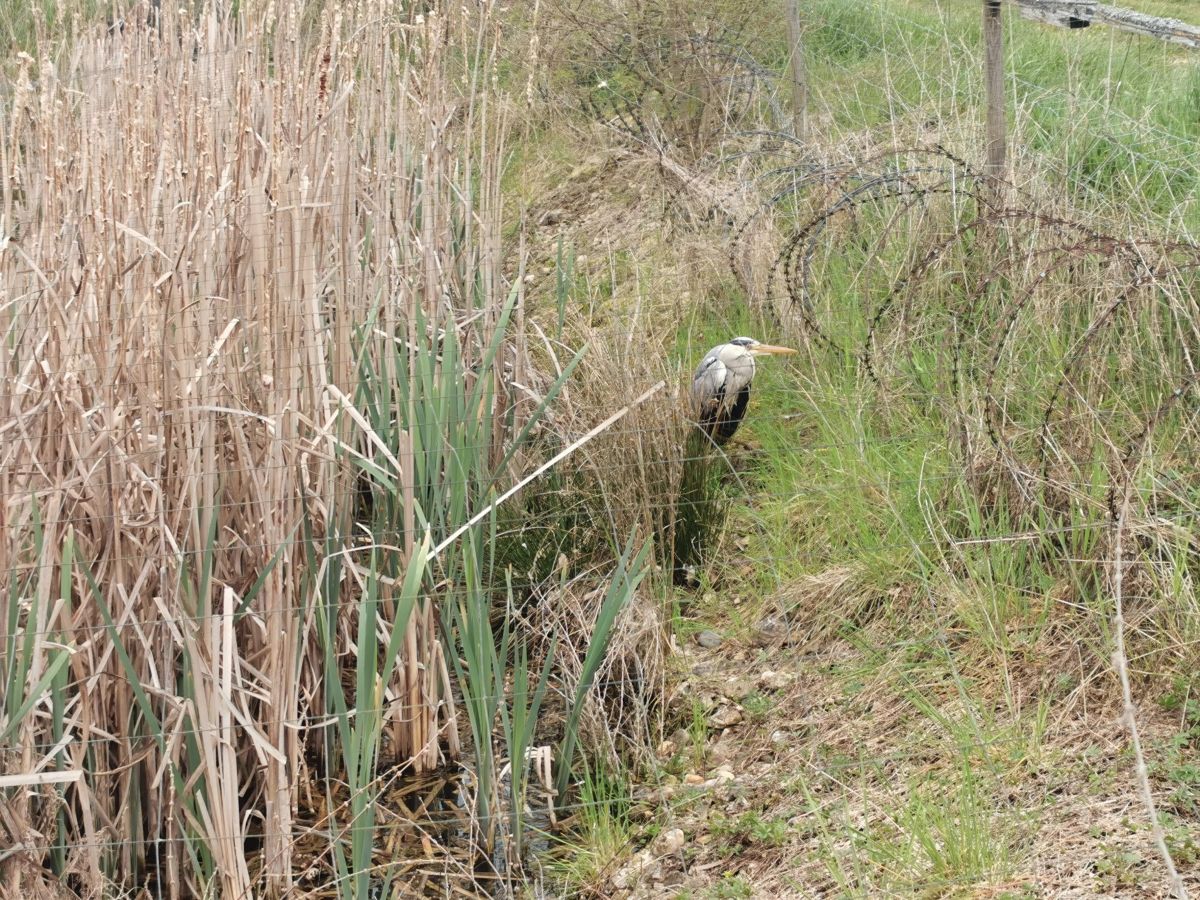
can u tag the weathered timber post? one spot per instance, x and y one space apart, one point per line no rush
993 76
799 73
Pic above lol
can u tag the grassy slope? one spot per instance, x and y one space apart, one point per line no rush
944 721
962 670
1112 114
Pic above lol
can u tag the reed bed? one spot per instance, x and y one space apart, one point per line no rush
256 364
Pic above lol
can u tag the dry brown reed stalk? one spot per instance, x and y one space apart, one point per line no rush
821 604
730 196
622 481
626 479
1128 718
194 220
623 713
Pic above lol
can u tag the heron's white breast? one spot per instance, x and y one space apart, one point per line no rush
739 366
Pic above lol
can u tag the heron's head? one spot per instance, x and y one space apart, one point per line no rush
758 348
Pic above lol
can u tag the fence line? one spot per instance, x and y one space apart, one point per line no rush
553 583
881 760
311 444
69 744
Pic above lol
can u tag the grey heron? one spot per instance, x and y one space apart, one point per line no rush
721 385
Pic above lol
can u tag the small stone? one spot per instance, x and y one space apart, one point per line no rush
680 736
774 681
724 749
780 737
725 773
693 778
670 841
738 688
769 630
709 640
725 716
624 879
633 871
666 749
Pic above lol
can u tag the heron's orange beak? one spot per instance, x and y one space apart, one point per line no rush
770 350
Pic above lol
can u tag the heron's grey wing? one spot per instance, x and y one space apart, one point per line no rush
708 384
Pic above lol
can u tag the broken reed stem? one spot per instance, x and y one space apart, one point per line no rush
546 466
1128 714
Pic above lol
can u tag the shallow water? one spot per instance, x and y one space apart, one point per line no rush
428 843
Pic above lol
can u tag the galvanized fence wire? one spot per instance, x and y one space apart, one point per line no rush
828 769
888 15
350 549
799 663
582 467
874 759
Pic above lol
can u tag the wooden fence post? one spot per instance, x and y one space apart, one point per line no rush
799 73
993 69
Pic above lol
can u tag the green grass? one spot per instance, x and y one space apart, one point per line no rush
21 21
837 471
939 834
730 887
1111 114
749 830
855 510
602 834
